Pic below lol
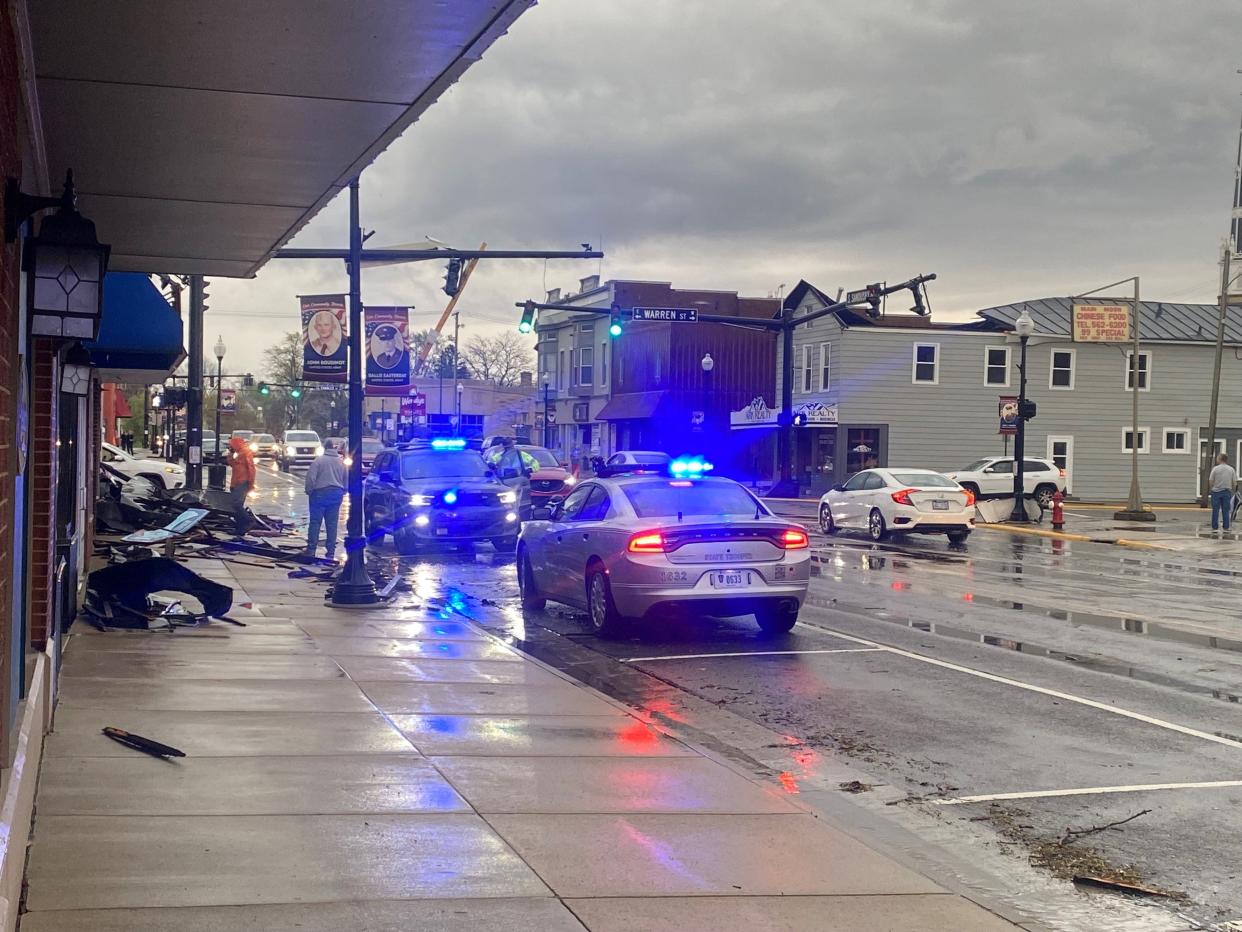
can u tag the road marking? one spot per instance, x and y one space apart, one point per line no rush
1055 693
756 653
1085 791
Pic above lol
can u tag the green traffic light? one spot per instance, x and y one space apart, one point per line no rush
615 330
524 327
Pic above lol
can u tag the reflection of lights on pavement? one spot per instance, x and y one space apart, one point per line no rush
515 622
788 782
253 493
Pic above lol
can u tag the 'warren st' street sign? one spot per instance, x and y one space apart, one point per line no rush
680 315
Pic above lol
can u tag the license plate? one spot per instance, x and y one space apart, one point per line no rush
730 580
442 532
940 505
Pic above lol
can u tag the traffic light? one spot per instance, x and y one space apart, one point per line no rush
1026 410
264 389
614 328
452 277
295 392
247 381
919 307
204 293
527 323
873 298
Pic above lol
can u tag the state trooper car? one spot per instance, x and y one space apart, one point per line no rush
627 546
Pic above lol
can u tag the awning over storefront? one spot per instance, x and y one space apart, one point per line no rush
139 334
633 406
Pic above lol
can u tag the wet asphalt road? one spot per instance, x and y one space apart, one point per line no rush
1017 665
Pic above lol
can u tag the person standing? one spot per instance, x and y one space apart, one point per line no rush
1222 481
325 487
242 476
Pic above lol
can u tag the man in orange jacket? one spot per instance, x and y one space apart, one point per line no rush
241 481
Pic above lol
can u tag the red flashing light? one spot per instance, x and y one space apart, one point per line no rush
903 497
970 497
646 542
794 538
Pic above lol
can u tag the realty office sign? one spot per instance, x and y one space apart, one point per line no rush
1101 323
758 414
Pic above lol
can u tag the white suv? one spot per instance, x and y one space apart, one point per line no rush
993 475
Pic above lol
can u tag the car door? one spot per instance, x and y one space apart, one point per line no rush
997 478
378 497
874 490
558 551
848 500
582 539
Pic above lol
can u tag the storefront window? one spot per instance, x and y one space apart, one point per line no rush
863 445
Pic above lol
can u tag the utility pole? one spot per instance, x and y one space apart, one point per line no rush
1209 449
785 435
194 395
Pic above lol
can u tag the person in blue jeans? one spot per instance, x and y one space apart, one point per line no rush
1222 480
325 487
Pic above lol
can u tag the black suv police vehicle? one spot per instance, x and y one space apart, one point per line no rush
438 491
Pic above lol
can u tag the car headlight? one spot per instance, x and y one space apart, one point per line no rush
570 480
420 499
319 451
171 469
508 498
254 448
290 451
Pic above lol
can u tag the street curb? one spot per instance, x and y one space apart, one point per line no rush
1061 535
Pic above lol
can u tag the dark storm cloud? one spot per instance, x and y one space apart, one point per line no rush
1016 149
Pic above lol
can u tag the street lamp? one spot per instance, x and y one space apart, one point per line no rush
547 427
219 349
460 388
1024 327
708 365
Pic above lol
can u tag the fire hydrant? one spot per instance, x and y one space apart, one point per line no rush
1058 513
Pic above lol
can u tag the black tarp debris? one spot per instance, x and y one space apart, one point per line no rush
120 596
139 743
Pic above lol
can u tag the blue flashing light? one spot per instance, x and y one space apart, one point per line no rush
690 466
450 497
448 443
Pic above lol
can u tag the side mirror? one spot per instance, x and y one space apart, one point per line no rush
838 488
541 513
556 506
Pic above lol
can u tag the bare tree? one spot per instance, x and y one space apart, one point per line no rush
500 358
282 363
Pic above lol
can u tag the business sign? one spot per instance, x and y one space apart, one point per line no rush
678 315
228 400
1008 407
1101 323
324 338
758 414
388 350
416 403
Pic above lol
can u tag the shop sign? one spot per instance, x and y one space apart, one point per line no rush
1101 323
807 414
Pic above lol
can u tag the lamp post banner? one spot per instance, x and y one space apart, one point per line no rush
228 401
388 350
1008 415
324 338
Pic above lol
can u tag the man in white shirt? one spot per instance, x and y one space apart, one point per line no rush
1222 480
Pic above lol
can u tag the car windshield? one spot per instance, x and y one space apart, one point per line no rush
541 456
976 465
264 438
670 497
648 459
243 434
925 480
458 464
301 436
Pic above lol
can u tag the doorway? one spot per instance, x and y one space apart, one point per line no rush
864 449
1061 452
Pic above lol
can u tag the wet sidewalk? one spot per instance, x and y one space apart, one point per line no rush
403 770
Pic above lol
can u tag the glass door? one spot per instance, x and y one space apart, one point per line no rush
862 449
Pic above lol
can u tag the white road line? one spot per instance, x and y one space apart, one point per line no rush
756 653
1056 694
1086 791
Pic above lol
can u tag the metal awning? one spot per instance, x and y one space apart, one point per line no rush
139 338
203 136
633 406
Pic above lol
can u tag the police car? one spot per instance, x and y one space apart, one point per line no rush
632 545
438 491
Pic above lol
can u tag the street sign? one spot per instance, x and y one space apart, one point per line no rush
678 315
857 297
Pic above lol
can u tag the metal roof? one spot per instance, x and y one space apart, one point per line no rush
1158 320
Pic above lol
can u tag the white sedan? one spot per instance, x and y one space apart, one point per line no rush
169 475
885 501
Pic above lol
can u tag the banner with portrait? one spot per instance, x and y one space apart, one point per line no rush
388 350
1008 407
325 344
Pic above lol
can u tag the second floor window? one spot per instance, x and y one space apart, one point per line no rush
926 368
586 369
825 366
996 366
1144 371
1061 369
808 375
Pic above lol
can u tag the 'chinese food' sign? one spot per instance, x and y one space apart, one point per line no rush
1101 323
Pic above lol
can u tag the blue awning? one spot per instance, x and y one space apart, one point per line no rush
139 333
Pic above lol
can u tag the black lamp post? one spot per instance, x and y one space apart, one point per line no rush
1024 327
216 472
708 365
547 427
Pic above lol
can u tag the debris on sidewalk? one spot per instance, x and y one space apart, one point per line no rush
119 596
1121 886
855 786
139 743
1073 834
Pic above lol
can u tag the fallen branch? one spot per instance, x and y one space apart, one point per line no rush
1073 834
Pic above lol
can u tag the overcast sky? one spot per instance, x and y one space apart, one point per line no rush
1018 150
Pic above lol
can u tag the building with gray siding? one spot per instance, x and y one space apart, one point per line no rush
908 390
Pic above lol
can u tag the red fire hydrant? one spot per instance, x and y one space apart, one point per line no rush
1058 513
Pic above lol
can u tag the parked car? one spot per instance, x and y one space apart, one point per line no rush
637 545
883 501
371 447
241 434
438 492
549 479
264 446
166 475
629 460
209 446
993 475
298 448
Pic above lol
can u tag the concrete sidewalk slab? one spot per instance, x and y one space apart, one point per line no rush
486 699
214 695
134 665
412 647
524 736
445 670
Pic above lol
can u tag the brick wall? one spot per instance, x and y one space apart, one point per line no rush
10 166
41 475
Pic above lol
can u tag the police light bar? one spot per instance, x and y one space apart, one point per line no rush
689 466
448 443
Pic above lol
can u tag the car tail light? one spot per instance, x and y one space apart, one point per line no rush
646 542
970 497
903 497
794 538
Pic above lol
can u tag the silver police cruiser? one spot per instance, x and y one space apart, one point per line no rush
626 546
